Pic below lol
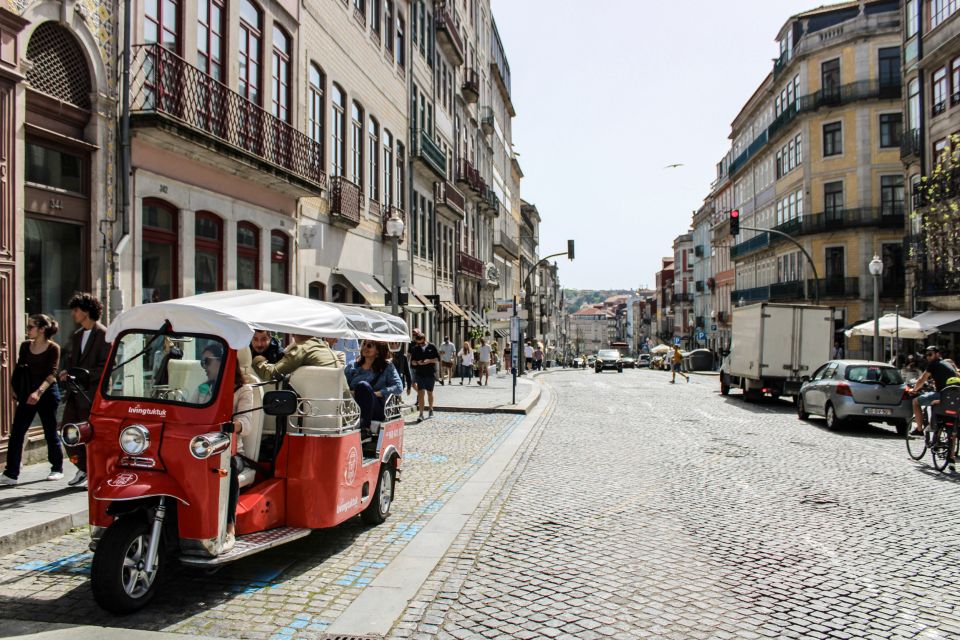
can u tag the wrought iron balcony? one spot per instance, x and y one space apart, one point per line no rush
429 153
505 246
447 196
344 203
784 291
447 36
469 176
470 266
755 243
683 297
893 285
386 215
471 86
487 120
749 296
836 287
170 94
489 202
888 216
910 144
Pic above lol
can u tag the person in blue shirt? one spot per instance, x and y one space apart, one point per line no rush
372 379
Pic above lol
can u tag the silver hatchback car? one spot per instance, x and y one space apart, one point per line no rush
856 390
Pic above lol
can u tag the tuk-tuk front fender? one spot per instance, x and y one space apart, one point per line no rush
135 484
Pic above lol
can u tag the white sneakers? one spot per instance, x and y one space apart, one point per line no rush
6 480
229 542
55 475
78 480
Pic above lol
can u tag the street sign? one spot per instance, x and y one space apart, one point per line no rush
676 340
701 336
514 330
713 327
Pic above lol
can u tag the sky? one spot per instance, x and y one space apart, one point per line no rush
607 94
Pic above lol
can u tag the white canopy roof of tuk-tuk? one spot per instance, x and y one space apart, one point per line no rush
235 315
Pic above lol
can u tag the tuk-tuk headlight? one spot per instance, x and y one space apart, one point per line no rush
208 444
135 439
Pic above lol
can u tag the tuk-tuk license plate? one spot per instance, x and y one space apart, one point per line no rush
874 411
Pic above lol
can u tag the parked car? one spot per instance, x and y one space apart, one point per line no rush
644 360
629 362
608 359
856 391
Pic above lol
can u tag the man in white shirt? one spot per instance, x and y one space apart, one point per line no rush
447 353
484 362
527 356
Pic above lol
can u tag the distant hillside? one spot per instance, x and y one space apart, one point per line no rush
573 299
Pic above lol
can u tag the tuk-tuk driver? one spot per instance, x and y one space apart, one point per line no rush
211 360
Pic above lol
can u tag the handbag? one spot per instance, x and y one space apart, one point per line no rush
20 380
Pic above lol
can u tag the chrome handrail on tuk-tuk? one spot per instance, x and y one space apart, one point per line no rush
348 414
393 408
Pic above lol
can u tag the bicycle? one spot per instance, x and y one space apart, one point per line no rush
919 443
943 447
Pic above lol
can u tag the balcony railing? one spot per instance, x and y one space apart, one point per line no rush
487 120
910 143
164 85
749 246
490 202
888 216
344 203
447 36
893 286
469 176
699 286
749 296
428 152
508 246
387 214
470 266
836 287
683 297
447 195
783 291
471 85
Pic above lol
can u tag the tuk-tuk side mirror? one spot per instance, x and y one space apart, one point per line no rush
804 378
280 403
80 376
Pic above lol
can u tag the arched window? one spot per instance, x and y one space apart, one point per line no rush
208 260
317 291
161 23
387 167
248 256
356 143
279 262
317 111
59 67
159 277
338 112
281 74
250 44
373 135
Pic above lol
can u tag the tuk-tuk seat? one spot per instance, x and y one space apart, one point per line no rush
185 376
321 393
250 437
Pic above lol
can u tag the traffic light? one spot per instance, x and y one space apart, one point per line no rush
569 249
735 222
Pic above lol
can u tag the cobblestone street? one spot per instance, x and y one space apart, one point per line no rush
647 509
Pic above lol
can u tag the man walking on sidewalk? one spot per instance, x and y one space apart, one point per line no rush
484 372
677 359
424 358
447 352
89 350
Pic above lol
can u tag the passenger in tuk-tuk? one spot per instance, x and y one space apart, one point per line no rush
306 351
264 344
372 379
211 361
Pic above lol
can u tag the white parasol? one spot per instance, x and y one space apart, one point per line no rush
893 326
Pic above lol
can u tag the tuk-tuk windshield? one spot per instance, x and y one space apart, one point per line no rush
180 368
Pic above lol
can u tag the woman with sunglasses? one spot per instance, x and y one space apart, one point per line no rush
211 360
35 387
372 379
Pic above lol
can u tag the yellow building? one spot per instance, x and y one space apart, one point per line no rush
816 155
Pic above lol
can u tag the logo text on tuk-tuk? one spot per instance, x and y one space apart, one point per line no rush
147 411
122 480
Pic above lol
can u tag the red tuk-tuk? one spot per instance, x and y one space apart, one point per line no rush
159 442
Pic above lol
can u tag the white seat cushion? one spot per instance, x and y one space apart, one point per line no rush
323 387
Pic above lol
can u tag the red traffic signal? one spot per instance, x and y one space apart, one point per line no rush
735 222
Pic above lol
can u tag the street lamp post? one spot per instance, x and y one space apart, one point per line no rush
395 232
876 270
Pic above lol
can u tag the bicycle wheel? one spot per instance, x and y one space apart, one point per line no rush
916 444
940 448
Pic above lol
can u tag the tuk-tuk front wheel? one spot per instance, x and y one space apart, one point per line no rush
379 507
120 580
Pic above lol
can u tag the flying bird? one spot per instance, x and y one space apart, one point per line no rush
674 166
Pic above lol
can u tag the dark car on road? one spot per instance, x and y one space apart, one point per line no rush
608 359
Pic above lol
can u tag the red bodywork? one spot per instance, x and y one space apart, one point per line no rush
317 482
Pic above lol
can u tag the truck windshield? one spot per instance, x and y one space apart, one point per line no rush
872 374
182 369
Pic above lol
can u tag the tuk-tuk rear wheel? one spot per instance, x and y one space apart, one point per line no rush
379 507
119 581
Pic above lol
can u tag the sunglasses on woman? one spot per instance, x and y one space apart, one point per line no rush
206 361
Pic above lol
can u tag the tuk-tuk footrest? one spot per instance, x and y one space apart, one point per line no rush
250 544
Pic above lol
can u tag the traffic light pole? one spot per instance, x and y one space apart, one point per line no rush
816 277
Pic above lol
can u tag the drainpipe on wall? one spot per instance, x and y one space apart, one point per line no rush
126 178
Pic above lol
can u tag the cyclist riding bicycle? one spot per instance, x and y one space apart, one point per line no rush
940 372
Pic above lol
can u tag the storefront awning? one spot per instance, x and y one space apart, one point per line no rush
454 309
417 302
475 319
502 333
948 321
366 285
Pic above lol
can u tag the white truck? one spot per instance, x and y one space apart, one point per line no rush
774 346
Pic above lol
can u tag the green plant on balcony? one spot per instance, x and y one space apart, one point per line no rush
939 218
